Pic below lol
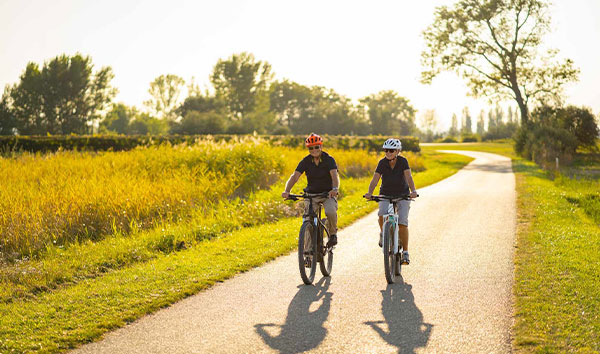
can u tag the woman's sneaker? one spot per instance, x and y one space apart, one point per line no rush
405 258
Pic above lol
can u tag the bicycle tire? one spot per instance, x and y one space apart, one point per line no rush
326 257
399 258
398 270
306 238
389 258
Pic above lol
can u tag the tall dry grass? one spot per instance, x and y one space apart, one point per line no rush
64 197
56 199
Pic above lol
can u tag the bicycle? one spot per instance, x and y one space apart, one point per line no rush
391 243
312 241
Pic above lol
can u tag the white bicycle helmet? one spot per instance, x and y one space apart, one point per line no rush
392 144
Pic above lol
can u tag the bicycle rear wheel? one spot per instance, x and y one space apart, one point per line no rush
326 256
389 258
307 247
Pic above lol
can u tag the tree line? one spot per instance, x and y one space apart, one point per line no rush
66 96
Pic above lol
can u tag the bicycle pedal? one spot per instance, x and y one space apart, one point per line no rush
307 263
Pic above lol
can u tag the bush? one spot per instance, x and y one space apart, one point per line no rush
449 139
470 138
202 123
556 132
543 144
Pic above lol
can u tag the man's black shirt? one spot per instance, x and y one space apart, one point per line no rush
319 178
392 181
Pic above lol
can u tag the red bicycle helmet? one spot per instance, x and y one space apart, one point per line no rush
313 139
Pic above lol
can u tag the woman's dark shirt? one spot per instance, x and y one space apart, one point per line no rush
393 182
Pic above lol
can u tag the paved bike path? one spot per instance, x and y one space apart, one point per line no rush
456 295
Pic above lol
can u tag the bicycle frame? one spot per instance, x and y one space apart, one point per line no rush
323 253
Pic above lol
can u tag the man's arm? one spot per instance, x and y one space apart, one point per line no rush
290 183
335 183
373 184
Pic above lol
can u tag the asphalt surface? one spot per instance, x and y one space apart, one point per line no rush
454 297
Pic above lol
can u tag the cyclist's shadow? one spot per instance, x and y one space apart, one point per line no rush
303 330
405 327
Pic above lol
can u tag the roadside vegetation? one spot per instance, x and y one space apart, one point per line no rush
59 292
557 255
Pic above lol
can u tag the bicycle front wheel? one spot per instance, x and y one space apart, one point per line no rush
326 257
389 258
307 255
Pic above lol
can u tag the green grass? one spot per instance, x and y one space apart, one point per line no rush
557 277
557 259
114 287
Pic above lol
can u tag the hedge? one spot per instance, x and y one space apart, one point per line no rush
127 142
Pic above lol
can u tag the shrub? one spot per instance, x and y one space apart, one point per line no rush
470 138
542 144
449 139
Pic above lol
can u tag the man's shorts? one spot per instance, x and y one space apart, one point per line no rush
402 206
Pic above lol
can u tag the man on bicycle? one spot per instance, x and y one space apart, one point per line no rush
396 181
322 175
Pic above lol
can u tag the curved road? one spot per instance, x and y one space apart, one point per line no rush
456 295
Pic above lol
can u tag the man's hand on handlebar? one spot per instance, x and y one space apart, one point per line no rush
285 195
368 196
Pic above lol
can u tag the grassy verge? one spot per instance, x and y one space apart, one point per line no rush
557 273
83 309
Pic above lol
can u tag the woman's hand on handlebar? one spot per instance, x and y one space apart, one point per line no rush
285 195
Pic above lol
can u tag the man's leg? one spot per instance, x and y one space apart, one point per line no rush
330 206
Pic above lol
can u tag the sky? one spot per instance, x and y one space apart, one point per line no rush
357 48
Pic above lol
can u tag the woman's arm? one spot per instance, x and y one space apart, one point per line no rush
373 184
410 182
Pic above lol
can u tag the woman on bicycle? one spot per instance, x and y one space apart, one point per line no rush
322 175
396 181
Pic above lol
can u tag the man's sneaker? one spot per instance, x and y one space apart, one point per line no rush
380 239
332 241
405 258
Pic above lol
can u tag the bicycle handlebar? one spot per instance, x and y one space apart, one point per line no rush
379 198
306 196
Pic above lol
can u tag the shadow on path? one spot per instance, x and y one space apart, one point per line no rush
303 330
405 327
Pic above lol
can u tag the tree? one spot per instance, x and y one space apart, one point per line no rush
196 122
164 92
429 123
467 126
146 124
290 102
239 81
203 104
118 119
390 114
510 116
454 127
7 121
64 97
499 115
481 123
495 46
